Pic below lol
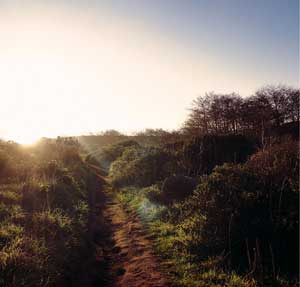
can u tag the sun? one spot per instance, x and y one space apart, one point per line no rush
26 139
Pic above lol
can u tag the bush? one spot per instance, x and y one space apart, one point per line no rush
232 213
154 194
176 188
278 165
201 155
52 224
112 152
143 167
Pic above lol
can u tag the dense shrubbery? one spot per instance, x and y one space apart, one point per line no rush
109 153
237 217
242 217
202 154
43 214
142 166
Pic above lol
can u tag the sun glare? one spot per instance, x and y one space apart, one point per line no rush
73 77
26 139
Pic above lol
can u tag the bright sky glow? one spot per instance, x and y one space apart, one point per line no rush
69 69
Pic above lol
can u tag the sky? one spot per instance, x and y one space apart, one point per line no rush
79 67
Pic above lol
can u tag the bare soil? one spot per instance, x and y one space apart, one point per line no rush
134 263
121 250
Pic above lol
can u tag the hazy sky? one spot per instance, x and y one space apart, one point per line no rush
72 67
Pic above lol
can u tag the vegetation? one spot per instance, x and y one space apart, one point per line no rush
270 108
219 197
239 220
44 213
222 206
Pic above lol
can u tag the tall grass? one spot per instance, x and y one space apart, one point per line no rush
43 214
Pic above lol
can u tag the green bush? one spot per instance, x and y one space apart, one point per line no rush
110 153
143 167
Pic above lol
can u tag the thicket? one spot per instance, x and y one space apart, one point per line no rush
43 214
239 227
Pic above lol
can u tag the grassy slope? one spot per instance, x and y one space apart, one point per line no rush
183 269
44 215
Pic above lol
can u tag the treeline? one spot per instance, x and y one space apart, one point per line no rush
271 112
267 110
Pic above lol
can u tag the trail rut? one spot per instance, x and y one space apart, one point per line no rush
133 262
122 254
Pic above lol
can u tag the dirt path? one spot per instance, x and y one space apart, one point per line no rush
121 252
133 262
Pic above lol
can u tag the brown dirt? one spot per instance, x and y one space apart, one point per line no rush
133 261
121 251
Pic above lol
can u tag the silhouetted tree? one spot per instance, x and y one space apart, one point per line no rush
269 108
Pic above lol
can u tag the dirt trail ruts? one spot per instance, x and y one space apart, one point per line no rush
122 254
133 262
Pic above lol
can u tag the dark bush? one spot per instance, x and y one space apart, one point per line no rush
236 215
176 188
201 155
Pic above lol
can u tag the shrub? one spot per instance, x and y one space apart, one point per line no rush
278 165
154 194
112 152
201 155
232 213
52 224
34 196
177 187
70 155
143 167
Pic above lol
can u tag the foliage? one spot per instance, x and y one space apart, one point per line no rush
202 154
171 244
238 228
109 153
176 188
142 167
270 107
43 213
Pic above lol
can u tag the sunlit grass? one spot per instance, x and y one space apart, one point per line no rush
43 214
170 242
